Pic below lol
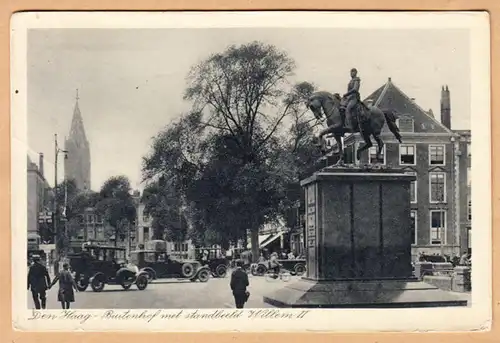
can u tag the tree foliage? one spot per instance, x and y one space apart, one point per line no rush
117 206
164 206
235 160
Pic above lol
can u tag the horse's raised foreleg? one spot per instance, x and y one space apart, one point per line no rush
367 145
338 139
321 140
380 144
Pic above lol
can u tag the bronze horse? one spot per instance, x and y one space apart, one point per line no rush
368 121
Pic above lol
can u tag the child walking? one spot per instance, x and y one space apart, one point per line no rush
65 295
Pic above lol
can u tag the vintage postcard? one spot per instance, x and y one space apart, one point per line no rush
264 171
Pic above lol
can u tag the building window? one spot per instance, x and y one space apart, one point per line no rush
145 217
469 209
405 124
90 233
145 231
413 188
436 155
407 154
89 218
99 233
413 226
437 185
438 225
372 155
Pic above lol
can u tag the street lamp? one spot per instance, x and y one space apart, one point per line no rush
57 239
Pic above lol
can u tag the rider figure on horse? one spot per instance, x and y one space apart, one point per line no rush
351 98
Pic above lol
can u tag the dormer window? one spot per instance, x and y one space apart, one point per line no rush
405 123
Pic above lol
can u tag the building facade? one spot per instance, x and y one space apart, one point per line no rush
39 197
144 234
464 142
437 156
77 164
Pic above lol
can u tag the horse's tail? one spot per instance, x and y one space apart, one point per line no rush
390 118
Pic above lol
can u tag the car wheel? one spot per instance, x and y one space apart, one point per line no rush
203 275
187 270
299 269
221 270
150 276
126 282
82 283
142 282
98 283
260 270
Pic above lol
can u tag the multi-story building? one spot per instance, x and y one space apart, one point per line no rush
437 156
144 234
144 231
464 142
89 226
39 197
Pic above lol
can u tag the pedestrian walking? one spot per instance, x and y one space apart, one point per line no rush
65 295
239 284
38 281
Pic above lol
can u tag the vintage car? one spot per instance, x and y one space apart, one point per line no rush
159 265
99 265
214 259
295 266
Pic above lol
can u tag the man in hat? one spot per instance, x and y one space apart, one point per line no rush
239 284
38 281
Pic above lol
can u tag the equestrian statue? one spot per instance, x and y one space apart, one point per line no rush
348 114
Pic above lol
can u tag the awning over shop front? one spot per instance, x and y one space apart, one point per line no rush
262 238
271 239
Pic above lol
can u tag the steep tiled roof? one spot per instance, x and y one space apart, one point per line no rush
389 96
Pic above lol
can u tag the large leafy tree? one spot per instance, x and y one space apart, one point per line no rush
117 206
235 159
239 93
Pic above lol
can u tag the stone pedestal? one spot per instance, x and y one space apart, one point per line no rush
358 244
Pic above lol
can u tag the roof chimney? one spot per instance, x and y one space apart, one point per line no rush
389 79
40 164
445 107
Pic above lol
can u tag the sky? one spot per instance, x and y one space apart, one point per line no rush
131 81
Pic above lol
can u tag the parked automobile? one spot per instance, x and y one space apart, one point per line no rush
160 265
214 259
98 265
295 266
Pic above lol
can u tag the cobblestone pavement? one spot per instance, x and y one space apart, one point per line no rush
169 293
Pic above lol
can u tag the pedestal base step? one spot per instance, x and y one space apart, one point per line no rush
361 294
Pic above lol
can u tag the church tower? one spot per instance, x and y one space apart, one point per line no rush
77 164
445 107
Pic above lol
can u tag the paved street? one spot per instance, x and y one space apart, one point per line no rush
168 293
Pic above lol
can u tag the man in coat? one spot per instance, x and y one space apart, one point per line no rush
239 284
38 281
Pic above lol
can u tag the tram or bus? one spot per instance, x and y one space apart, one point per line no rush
34 242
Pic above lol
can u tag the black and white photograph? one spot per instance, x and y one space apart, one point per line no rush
310 166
